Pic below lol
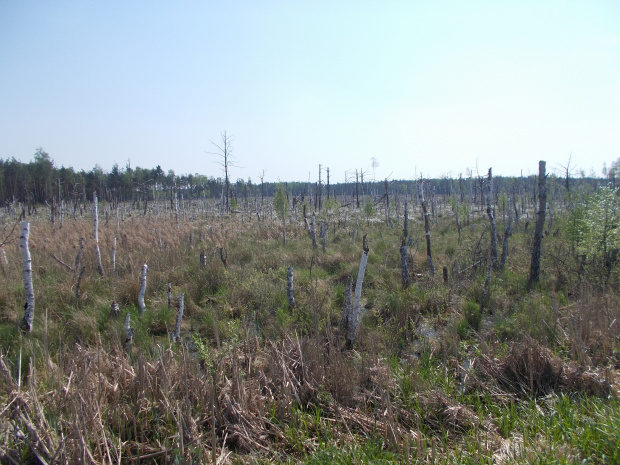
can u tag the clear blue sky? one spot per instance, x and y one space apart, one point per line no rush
423 86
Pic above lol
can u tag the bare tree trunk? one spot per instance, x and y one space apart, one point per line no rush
78 257
346 306
313 232
540 223
284 221
427 229
507 234
78 283
177 328
404 265
128 332
114 255
27 273
141 303
514 206
355 312
492 218
487 282
96 234
289 287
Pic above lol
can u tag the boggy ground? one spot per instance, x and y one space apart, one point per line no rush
431 378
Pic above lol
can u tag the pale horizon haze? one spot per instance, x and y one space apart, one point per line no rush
432 88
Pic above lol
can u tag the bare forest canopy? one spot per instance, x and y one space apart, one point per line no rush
40 181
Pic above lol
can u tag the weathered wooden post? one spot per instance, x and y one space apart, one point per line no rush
540 223
27 274
141 303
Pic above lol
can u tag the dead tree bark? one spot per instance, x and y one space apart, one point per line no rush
346 306
491 218
114 255
141 303
355 311
177 328
507 234
128 332
79 282
404 259
404 264
27 274
540 224
284 222
427 229
289 287
487 282
323 235
96 234
313 231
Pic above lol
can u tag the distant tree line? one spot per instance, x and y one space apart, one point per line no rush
41 182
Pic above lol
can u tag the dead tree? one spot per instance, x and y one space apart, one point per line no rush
404 261
128 332
177 328
491 218
284 222
289 287
487 282
540 224
355 311
96 235
141 303
169 294
27 274
227 160
427 229
507 234
346 307
313 231
114 255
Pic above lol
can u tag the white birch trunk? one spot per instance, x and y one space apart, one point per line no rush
27 273
141 303
96 234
